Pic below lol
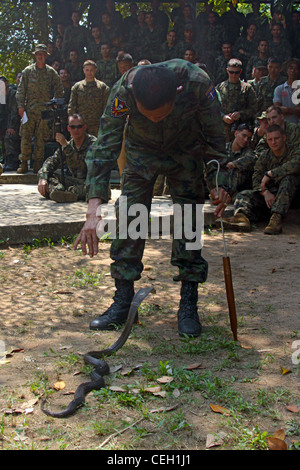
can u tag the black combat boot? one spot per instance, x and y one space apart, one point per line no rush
117 313
188 320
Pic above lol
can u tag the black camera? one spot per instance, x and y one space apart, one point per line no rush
57 112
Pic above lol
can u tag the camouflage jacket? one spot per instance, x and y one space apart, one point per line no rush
286 164
89 99
265 92
107 72
244 159
76 38
239 97
36 87
292 131
73 157
190 134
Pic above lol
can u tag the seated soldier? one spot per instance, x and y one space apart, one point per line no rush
275 183
169 47
52 183
274 115
259 70
241 159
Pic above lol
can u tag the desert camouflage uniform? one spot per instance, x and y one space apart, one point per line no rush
265 92
74 160
176 147
107 72
89 99
284 184
237 97
35 89
240 177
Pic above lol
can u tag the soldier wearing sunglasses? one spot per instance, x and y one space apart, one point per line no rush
238 99
73 152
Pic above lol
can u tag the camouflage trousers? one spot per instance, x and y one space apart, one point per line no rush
239 180
253 205
37 128
185 188
72 184
12 151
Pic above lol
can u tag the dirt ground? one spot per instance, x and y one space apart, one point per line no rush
163 391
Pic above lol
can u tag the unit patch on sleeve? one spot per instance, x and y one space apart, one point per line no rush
211 93
118 107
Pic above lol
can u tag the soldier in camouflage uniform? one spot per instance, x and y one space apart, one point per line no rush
241 159
169 47
220 64
238 99
262 55
74 67
174 126
275 181
152 39
76 37
35 89
279 45
94 45
50 180
12 139
246 46
89 98
274 115
107 69
266 85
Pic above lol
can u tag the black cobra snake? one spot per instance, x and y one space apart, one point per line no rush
95 358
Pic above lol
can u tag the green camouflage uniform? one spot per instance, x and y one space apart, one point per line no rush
12 142
292 132
249 48
265 92
281 50
168 53
94 50
75 71
211 40
89 99
219 72
237 97
74 159
151 44
107 72
240 177
176 147
35 89
284 184
75 38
